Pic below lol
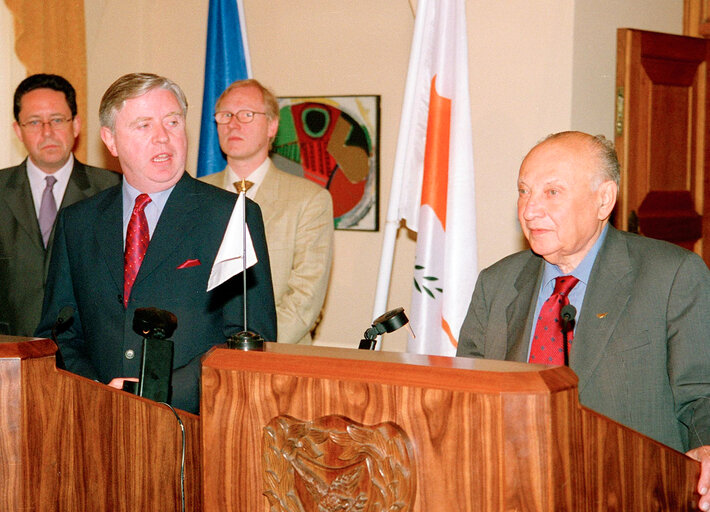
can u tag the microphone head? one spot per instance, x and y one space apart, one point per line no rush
65 314
568 313
62 321
154 323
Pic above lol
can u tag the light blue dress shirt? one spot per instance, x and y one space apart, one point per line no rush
576 296
152 209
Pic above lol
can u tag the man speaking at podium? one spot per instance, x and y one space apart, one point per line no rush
641 343
171 227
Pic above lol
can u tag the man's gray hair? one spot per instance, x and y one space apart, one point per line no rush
609 168
133 85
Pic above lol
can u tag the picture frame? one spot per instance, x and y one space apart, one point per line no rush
333 141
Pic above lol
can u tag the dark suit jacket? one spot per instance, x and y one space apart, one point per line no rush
642 344
23 258
86 272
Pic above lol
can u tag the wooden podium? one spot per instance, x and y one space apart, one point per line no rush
316 428
70 444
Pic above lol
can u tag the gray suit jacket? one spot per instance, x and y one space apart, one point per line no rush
298 218
23 258
642 343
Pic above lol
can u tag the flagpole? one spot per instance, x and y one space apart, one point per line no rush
392 220
245 41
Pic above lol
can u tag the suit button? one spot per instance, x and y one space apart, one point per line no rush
130 354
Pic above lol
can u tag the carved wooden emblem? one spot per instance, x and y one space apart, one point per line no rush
334 464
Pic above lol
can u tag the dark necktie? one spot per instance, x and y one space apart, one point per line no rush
137 239
547 342
47 209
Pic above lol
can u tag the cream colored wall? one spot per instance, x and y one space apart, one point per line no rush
157 36
594 67
11 73
523 61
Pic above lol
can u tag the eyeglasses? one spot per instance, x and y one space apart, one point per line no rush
55 123
243 116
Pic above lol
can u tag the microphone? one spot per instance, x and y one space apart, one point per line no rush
567 317
156 371
387 322
63 317
65 314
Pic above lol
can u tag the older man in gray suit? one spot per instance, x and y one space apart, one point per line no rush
50 178
640 345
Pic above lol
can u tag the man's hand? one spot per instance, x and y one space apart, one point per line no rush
118 381
702 454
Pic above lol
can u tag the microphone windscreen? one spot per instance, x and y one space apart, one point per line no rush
65 314
568 312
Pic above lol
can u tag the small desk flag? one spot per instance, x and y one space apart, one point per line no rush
230 257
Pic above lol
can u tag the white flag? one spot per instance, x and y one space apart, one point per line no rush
230 257
437 196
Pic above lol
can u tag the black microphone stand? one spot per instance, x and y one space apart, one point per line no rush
567 317
388 322
65 314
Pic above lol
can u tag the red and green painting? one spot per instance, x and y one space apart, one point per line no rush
333 141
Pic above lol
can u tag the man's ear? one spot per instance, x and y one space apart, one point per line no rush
606 194
272 128
109 139
18 131
76 125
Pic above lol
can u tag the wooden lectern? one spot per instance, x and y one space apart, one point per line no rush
319 429
69 444
480 436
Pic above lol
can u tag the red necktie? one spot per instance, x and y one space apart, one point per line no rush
547 342
137 239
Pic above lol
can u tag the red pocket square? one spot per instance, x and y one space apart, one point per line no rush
189 263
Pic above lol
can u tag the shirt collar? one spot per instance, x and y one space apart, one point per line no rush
158 199
37 175
582 270
256 177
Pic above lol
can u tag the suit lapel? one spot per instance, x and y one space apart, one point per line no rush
175 223
268 193
21 205
605 300
521 308
76 190
225 180
77 185
109 234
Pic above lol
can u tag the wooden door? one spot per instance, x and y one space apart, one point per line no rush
661 136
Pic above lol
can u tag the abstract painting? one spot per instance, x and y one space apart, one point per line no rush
334 142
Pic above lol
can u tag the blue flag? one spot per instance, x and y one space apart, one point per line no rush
227 60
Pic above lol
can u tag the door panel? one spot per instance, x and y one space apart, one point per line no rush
662 137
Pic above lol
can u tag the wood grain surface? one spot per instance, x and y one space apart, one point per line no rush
71 444
482 435
486 437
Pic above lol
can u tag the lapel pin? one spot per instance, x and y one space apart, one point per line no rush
602 315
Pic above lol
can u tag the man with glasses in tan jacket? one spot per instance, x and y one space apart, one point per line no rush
298 214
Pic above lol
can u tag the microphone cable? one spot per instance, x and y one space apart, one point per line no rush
182 455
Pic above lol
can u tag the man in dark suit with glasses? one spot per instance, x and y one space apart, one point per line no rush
50 178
